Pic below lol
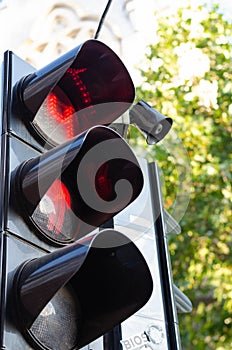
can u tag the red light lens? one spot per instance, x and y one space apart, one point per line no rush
61 112
57 115
103 183
53 215
60 108
95 90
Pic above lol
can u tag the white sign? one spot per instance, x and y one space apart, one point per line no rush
152 339
135 341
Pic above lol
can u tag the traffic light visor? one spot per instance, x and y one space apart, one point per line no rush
70 190
83 290
87 86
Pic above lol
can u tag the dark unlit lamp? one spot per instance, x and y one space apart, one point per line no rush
153 124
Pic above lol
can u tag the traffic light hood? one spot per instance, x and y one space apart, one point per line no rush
109 278
87 86
77 186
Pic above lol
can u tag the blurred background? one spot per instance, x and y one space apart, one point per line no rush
179 56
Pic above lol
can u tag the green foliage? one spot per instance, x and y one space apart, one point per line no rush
188 77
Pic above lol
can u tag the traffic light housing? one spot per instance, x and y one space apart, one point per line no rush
58 186
81 289
70 190
87 86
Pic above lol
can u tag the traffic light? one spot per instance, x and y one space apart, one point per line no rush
64 173
67 298
86 87
68 191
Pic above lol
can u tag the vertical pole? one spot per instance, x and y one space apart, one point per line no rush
111 340
164 259
2 287
5 87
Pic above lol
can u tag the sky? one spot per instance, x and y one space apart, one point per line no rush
225 5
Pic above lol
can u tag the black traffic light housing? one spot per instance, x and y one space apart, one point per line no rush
79 182
112 93
100 275
99 279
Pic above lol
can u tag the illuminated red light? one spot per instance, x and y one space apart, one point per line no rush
69 191
61 112
74 73
52 214
61 201
60 109
94 89
103 183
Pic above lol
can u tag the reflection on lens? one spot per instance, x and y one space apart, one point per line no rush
57 326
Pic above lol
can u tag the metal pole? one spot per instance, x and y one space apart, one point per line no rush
164 259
